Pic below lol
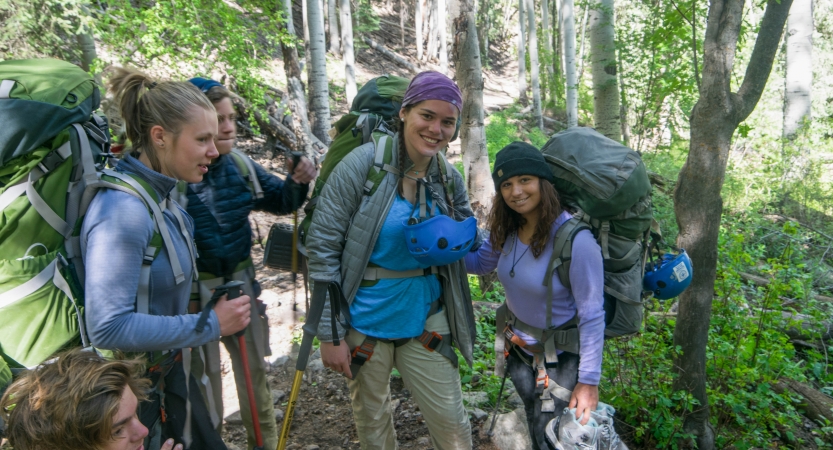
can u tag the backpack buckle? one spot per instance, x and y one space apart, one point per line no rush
362 353
430 340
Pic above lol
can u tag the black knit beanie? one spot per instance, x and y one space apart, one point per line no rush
519 158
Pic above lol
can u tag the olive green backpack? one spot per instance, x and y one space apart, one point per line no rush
53 156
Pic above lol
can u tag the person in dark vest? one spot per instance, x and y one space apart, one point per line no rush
220 204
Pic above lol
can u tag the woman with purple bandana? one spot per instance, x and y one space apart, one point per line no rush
354 235
525 215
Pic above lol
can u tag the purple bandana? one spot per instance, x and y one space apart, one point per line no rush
430 85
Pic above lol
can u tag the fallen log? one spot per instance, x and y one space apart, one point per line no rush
761 281
816 405
390 55
276 130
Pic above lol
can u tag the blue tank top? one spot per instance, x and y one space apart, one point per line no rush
394 308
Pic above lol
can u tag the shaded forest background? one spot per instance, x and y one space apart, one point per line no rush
766 329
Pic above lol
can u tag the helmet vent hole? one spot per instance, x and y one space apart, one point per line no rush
442 243
661 284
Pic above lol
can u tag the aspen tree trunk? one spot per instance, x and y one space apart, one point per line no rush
469 77
583 40
697 201
333 25
88 53
418 24
569 33
605 81
441 28
432 32
317 74
295 93
799 78
483 32
522 87
545 26
305 19
347 47
533 63
290 26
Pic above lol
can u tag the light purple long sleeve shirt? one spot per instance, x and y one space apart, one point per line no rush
526 293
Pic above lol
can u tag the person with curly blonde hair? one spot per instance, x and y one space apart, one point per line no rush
79 400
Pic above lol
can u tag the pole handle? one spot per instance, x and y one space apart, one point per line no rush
234 289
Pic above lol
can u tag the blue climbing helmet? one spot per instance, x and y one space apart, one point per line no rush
670 276
440 240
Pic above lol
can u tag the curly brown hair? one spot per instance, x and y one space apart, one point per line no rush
503 220
69 403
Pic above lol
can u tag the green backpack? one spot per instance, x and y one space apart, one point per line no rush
374 108
606 187
53 153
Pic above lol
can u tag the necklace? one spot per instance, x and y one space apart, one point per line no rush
515 261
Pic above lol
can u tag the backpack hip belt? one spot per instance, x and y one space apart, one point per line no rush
431 340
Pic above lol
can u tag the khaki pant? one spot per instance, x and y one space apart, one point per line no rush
205 365
431 378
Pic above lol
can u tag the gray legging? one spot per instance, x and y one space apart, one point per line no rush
564 372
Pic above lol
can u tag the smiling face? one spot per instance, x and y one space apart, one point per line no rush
128 431
428 127
187 156
226 126
522 194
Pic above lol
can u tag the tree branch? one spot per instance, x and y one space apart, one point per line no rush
760 64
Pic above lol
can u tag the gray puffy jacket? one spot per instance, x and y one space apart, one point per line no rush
347 223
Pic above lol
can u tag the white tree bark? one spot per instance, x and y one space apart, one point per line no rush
432 31
442 24
290 26
545 26
335 47
799 77
583 39
532 29
347 47
522 87
472 131
418 25
606 113
305 19
403 11
568 28
317 73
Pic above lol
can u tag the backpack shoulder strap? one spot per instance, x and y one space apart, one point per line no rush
385 146
447 178
562 254
247 169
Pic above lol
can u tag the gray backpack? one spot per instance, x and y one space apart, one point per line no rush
606 187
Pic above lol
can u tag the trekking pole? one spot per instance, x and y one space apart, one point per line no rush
296 192
310 330
233 288
497 404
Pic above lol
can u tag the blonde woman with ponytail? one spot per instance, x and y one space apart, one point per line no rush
171 127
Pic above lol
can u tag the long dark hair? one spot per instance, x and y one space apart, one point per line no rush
504 221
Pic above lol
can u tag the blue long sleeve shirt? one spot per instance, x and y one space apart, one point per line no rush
116 231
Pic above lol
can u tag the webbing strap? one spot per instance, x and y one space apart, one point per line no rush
158 218
45 211
500 340
6 88
379 273
620 296
189 241
558 243
143 293
604 234
258 190
11 194
186 367
209 390
87 164
379 159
